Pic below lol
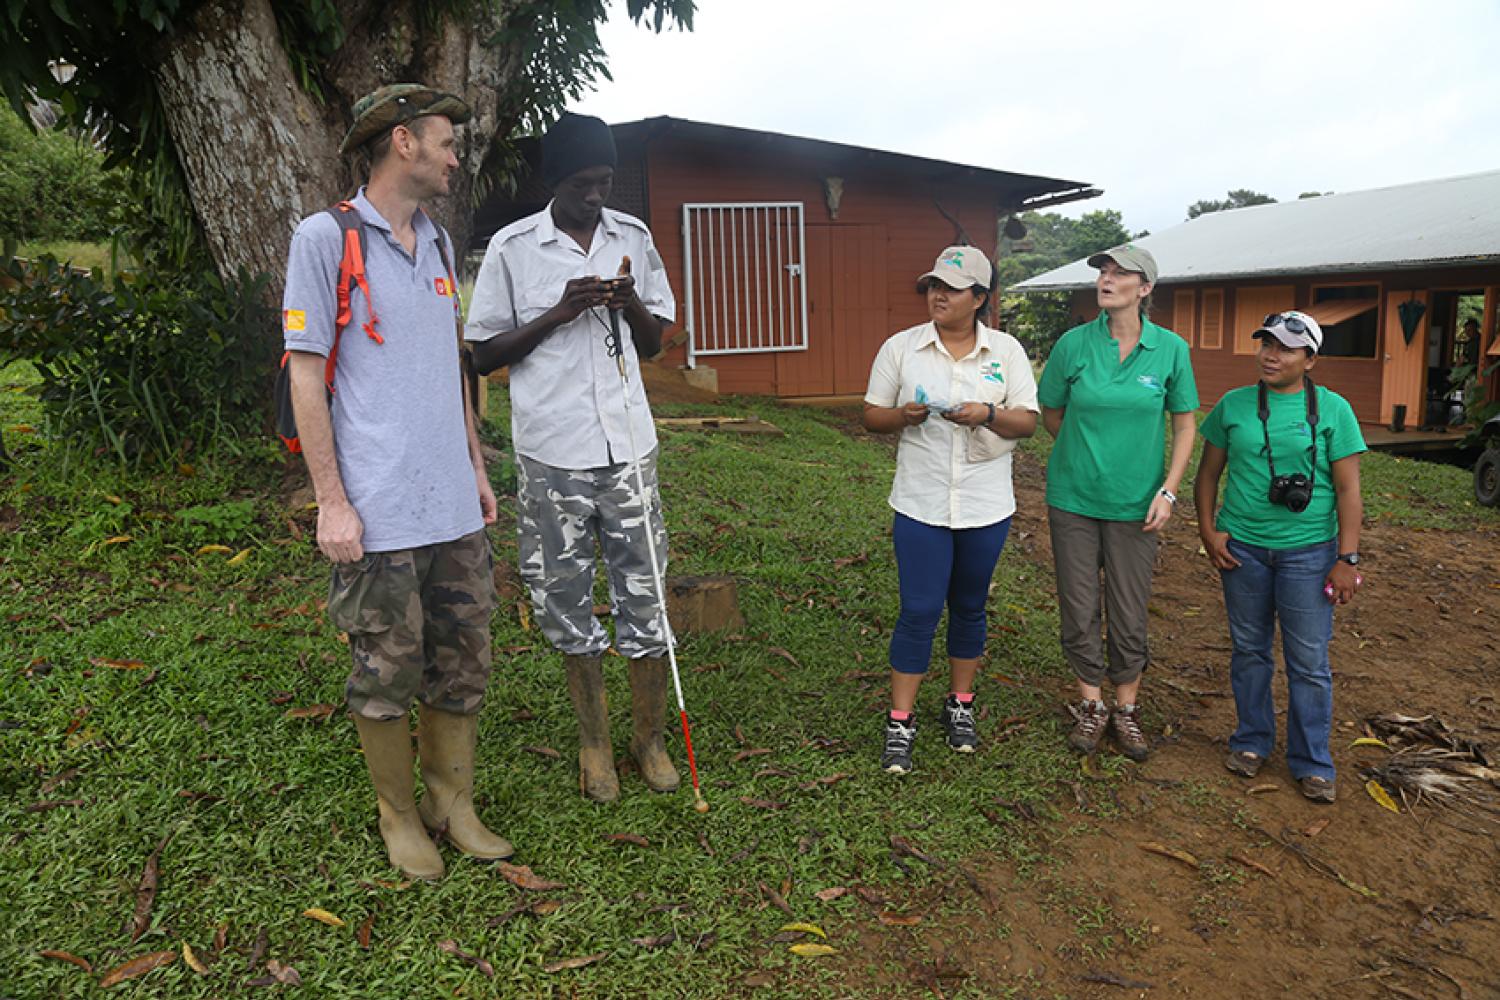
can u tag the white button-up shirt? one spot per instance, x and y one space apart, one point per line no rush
567 401
948 475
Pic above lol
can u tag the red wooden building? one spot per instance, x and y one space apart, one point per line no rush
1391 274
793 259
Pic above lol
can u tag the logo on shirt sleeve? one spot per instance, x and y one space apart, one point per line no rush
293 320
995 372
443 287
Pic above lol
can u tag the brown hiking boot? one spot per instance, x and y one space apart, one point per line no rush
1125 726
1316 789
648 707
1092 719
596 762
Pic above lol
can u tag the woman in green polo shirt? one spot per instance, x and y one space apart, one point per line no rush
1104 393
1286 543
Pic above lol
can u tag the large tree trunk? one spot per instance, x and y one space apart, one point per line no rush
263 153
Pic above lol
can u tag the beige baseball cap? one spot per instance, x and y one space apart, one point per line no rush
961 267
1130 258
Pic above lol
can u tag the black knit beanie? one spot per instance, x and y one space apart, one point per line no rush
576 142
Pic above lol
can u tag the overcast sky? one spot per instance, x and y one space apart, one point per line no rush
1160 104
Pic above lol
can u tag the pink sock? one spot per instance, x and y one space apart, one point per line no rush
964 697
902 717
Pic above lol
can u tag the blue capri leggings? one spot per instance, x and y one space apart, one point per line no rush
938 566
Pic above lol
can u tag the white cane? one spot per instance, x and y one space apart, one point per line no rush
617 350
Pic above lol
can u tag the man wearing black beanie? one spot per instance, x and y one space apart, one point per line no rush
541 305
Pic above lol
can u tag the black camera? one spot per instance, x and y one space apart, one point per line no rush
1294 492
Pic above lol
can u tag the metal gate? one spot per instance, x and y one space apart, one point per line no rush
746 287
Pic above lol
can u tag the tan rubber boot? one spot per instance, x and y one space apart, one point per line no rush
596 762
388 755
445 747
648 705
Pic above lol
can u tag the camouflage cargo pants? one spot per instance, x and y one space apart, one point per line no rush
566 519
419 626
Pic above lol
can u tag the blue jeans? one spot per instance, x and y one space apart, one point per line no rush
936 566
1285 585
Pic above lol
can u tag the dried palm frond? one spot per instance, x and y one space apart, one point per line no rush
1456 780
1400 732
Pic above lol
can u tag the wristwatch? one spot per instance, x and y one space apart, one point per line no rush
1352 558
991 419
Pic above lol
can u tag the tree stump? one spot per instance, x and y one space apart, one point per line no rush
703 604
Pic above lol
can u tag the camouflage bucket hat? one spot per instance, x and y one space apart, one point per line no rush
397 104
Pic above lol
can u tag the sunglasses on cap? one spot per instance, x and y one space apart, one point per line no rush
1292 323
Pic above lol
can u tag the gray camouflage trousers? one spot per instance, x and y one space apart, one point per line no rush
419 626
565 519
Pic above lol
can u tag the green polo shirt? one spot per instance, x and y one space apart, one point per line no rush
1247 513
1107 462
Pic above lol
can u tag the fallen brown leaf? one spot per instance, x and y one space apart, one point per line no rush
1269 786
257 949
1248 863
872 896
322 916
66 956
1110 979
703 843
547 752
138 966
316 713
824 782
851 560
543 907
776 899
284 974
761 803
562 965
100 661
1174 853
756 980
55 782
893 919
451 947
754 752
831 893
658 941
627 838
49 805
145 893
522 877
366 928
1316 827
904 848
775 772
788 657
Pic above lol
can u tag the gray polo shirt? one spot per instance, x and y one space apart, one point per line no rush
398 421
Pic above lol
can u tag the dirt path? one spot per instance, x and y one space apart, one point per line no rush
1253 918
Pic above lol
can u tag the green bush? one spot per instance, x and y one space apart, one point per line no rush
53 185
144 367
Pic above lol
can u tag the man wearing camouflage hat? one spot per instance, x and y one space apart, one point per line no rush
541 305
403 497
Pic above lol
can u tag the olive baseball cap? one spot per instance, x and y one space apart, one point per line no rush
961 267
397 104
1129 258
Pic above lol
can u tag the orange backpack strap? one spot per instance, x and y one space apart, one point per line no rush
351 275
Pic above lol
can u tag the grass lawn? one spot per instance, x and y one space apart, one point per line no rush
152 695
150 689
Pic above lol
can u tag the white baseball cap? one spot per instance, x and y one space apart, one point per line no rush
1292 328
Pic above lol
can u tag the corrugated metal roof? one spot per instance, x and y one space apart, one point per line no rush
1453 221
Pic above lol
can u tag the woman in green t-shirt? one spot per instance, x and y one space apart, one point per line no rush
1103 393
1286 544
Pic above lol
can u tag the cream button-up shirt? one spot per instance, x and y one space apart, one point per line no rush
948 475
566 396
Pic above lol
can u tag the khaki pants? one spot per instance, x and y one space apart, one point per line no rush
1083 549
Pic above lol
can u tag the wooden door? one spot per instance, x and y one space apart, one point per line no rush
848 313
1403 366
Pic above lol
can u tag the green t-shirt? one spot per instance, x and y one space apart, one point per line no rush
1107 462
1247 512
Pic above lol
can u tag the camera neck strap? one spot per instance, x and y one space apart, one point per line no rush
1263 407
